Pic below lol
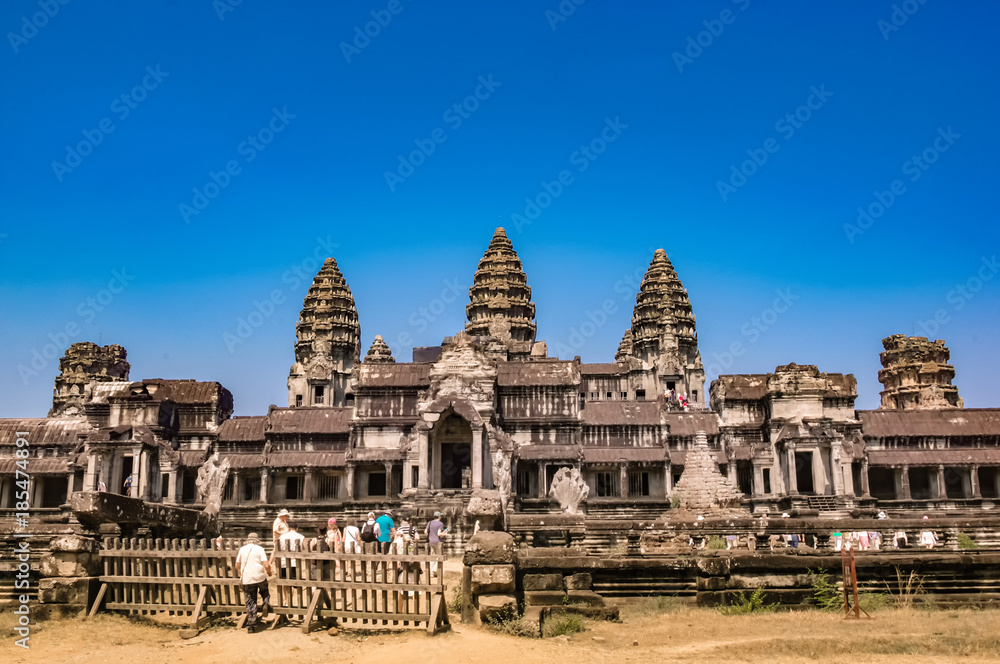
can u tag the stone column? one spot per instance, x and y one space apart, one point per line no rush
847 480
34 496
942 489
350 481
237 496
974 480
308 489
623 480
477 457
172 487
668 481
865 490
543 489
904 481
996 481
265 485
758 480
966 483
90 477
388 478
69 485
407 475
423 445
793 480
139 475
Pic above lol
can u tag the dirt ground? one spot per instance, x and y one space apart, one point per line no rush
666 631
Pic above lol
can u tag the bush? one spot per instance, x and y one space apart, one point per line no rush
455 604
966 542
716 542
675 502
742 604
563 625
828 594
511 624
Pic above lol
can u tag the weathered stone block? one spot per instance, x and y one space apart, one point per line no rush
66 590
714 566
490 579
544 597
581 581
497 607
542 582
587 597
711 583
490 548
69 565
73 544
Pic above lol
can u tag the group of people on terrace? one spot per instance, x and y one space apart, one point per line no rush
676 400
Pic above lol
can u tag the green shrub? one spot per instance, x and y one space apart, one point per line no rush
455 604
828 594
716 542
743 604
966 542
511 624
675 502
563 625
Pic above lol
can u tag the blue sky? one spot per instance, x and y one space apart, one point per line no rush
276 125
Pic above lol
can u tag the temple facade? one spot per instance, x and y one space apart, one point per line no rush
362 430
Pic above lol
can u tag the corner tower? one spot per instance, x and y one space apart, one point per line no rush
328 338
663 330
500 298
916 375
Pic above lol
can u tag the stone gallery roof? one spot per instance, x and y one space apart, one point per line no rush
500 291
186 391
243 429
536 373
546 452
689 424
287 460
192 458
42 431
624 454
679 457
377 454
416 374
947 422
310 420
612 368
899 457
748 387
36 466
622 413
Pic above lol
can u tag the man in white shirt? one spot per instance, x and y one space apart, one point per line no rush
352 538
290 541
253 569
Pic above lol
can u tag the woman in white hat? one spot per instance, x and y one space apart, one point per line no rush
280 526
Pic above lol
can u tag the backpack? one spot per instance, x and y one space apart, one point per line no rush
368 533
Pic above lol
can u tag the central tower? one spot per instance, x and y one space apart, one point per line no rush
500 298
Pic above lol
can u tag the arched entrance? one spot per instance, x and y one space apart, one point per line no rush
451 442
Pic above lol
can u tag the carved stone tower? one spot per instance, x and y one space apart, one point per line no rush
916 374
500 298
328 342
379 353
84 365
663 330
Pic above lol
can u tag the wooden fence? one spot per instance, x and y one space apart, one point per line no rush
197 578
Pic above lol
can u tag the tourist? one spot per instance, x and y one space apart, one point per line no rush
253 568
128 485
927 537
101 486
290 541
352 538
334 538
434 530
863 540
369 534
837 539
385 531
731 542
875 538
751 542
280 525
900 540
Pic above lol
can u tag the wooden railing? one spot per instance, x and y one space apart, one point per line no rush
196 578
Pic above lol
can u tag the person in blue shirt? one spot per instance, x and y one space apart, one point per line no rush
385 529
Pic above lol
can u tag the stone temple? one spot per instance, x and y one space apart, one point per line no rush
363 429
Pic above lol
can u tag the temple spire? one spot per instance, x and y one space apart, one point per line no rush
500 294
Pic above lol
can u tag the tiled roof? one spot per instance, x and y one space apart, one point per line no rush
311 420
624 454
607 413
947 422
41 430
543 452
536 373
899 457
376 454
306 460
43 466
678 457
243 429
599 369
400 374
689 424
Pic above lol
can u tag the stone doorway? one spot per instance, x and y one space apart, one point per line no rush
804 472
452 452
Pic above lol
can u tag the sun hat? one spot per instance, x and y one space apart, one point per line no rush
284 513
437 513
253 537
